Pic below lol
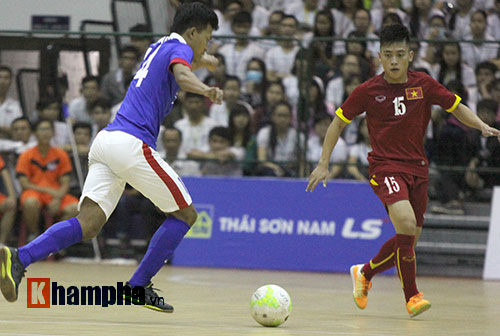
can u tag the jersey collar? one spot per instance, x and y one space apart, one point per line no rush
177 37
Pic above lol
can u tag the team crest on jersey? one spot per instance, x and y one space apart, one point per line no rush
380 98
414 93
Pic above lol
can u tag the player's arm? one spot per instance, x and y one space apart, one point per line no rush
332 136
188 81
26 184
64 188
9 185
207 61
469 118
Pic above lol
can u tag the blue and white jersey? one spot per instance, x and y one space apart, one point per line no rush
153 90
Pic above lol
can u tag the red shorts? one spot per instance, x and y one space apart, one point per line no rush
394 187
45 198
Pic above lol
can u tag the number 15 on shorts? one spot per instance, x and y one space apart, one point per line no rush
391 184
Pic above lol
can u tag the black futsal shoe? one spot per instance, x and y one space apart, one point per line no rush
11 272
147 297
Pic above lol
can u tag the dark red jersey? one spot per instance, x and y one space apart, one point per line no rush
397 117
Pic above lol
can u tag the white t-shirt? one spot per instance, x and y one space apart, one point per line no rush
279 61
335 91
302 15
194 136
237 60
468 75
220 113
286 148
360 151
473 54
9 110
77 109
314 147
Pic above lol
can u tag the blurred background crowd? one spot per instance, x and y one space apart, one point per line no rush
285 67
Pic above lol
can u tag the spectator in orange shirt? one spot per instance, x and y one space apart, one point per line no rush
44 173
7 204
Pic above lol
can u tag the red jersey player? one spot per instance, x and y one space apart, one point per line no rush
398 108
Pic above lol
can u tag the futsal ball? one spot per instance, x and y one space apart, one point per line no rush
270 305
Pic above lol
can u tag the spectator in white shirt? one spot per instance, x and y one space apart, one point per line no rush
260 15
195 126
78 107
474 53
344 15
494 21
305 12
485 74
50 109
272 29
172 139
237 54
9 108
254 88
451 67
460 18
232 91
388 6
358 153
279 60
420 16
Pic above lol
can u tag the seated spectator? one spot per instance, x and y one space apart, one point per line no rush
272 29
418 61
78 109
195 126
83 136
50 109
358 48
172 140
275 93
420 17
260 15
8 204
459 20
350 66
389 7
279 60
43 172
474 53
219 159
451 67
218 76
22 138
494 21
229 8
344 15
314 95
115 83
494 91
391 19
363 24
305 12
277 148
240 124
488 154
254 89
100 112
315 143
438 30
237 54
232 92
82 133
141 42
351 131
485 74
300 70
358 153
10 109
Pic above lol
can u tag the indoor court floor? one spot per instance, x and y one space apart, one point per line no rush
215 302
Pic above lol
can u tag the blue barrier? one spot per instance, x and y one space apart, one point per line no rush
275 224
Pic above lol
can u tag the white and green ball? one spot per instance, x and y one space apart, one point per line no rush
270 305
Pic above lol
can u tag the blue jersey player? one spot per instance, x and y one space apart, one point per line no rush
124 152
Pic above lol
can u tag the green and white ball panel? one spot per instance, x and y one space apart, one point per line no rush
270 305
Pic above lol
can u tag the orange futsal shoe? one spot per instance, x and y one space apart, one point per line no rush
360 286
417 305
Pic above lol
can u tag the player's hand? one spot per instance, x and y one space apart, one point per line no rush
489 131
209 61
319 174
215 95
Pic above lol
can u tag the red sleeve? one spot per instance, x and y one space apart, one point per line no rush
439 95
353 105
23 164
182 54
65 166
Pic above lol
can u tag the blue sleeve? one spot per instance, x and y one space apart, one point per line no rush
182 54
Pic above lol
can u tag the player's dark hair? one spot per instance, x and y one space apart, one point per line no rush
238 110
393 34
87 79
242 17
175 129
487 104
223 132
41 121
6 69
82 125
22 119
195 15
193 95
486 65
101 102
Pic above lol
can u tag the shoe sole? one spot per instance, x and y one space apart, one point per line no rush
137 303
421 310
7 284
354 270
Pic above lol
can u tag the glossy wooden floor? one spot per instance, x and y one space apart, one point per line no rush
216 302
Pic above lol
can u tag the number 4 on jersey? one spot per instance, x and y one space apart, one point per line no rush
143 71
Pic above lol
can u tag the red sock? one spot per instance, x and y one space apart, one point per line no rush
406 264
382 261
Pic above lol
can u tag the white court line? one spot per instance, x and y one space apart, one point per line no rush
23 334
121 324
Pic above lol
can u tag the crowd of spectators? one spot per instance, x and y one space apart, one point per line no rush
279 98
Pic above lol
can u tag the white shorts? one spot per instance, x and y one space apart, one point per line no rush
117 158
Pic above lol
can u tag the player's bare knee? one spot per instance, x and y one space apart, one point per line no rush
91 219
31 204
188 215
